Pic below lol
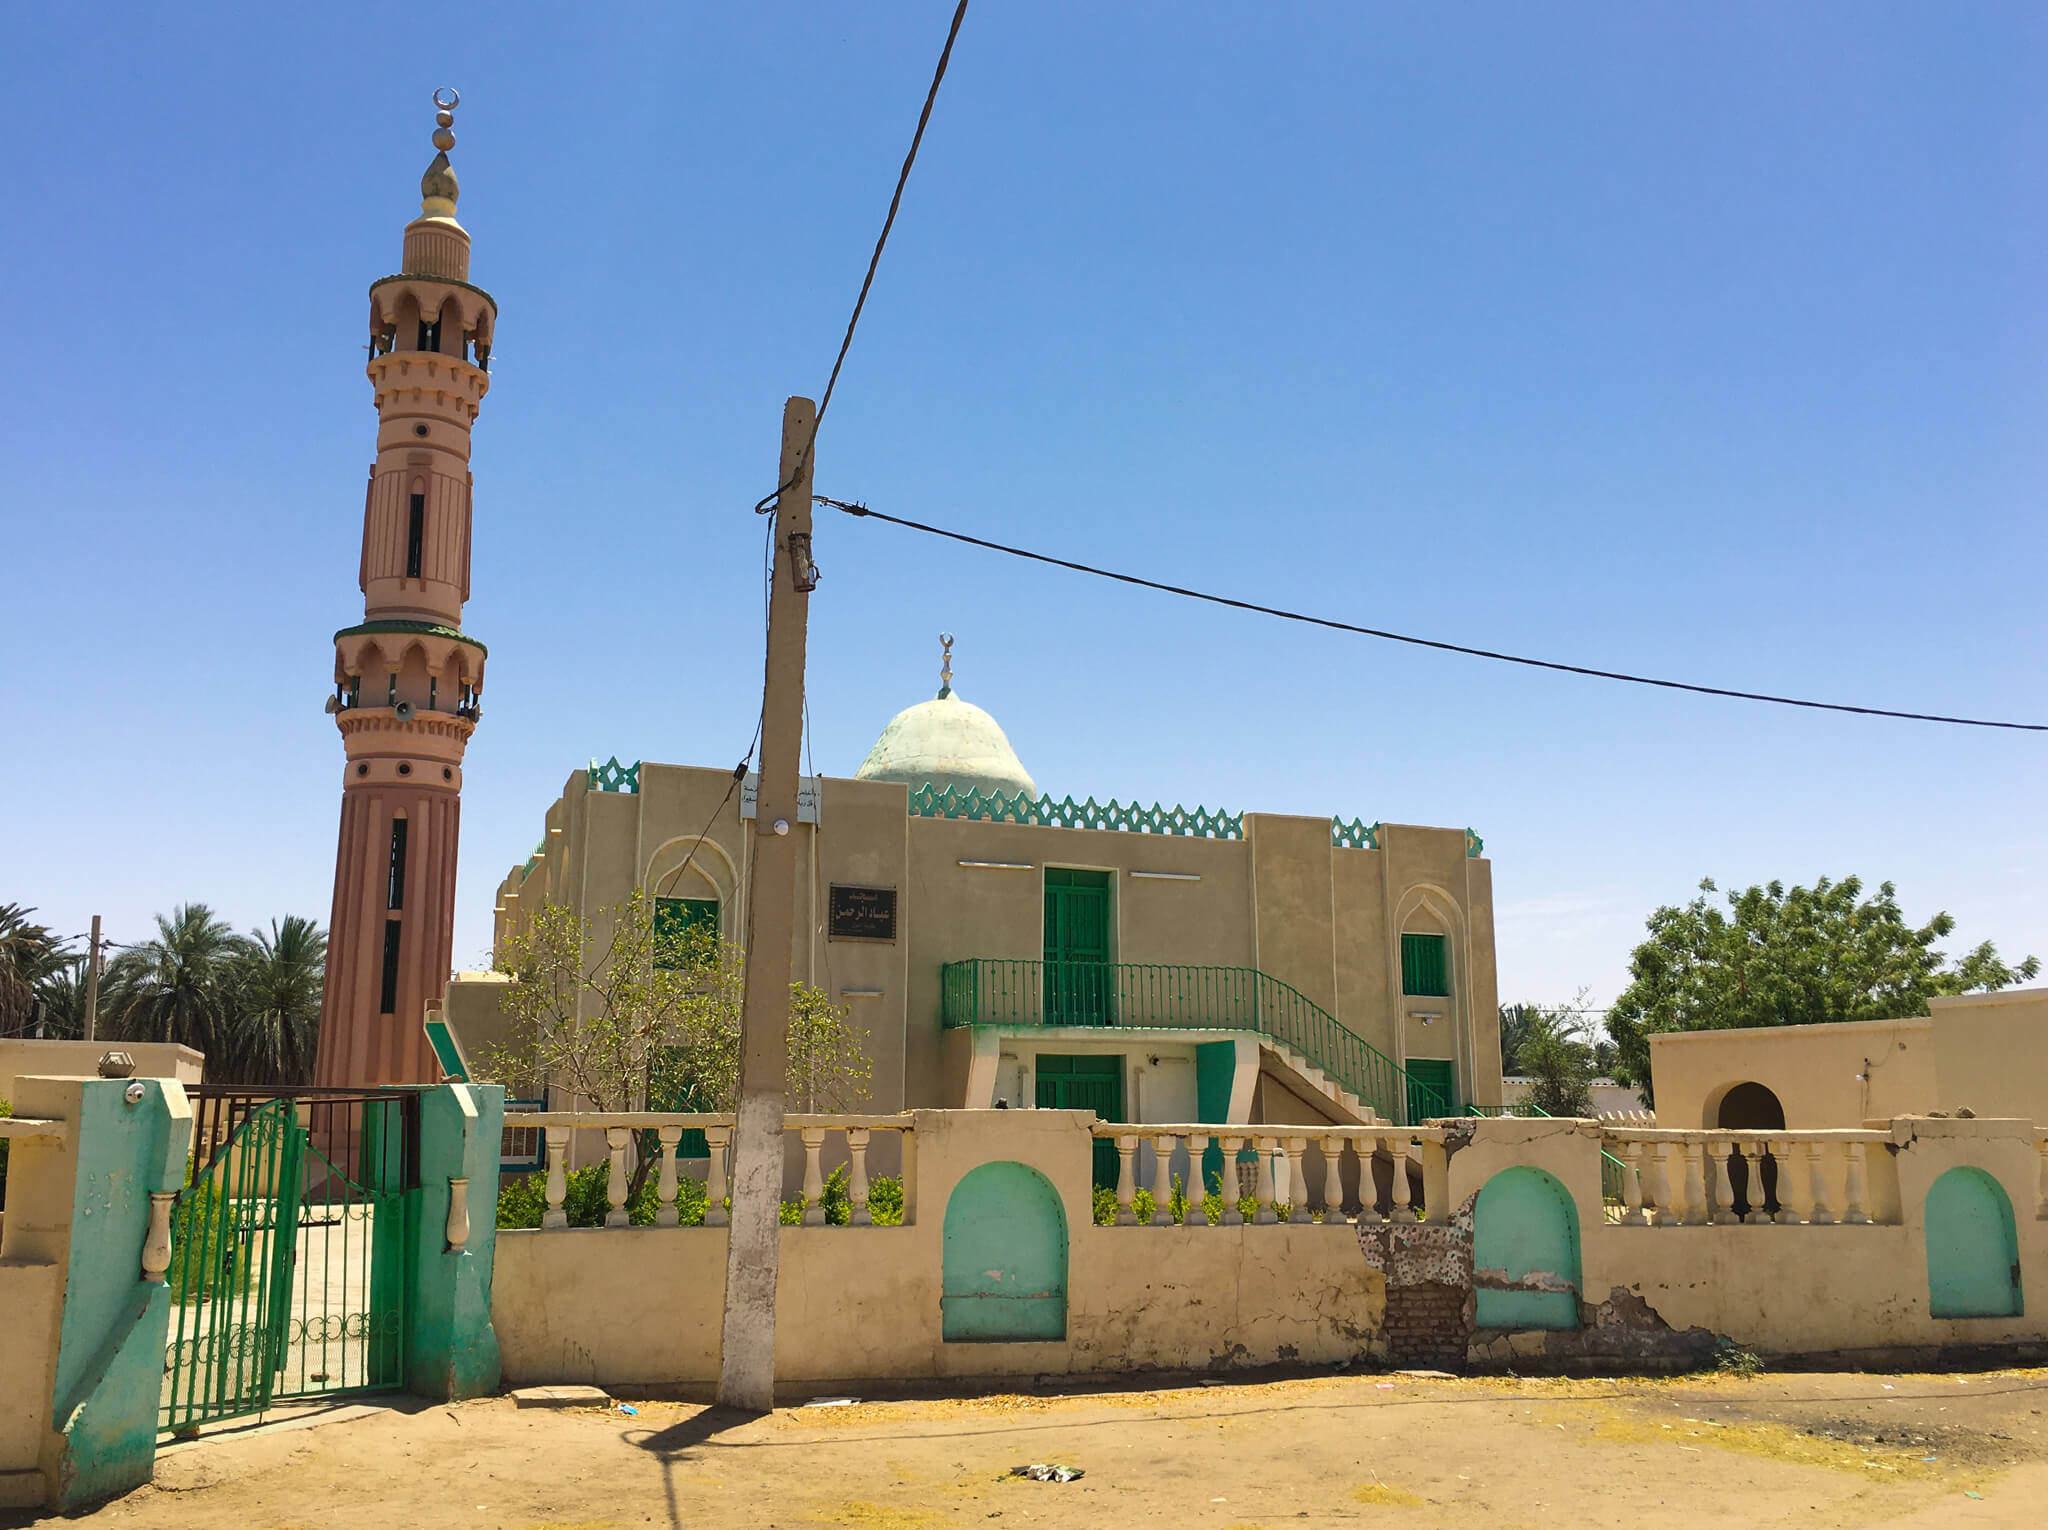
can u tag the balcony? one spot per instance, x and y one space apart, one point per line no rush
1022 994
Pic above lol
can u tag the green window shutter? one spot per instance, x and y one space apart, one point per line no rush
1425 971
674 920
674 1084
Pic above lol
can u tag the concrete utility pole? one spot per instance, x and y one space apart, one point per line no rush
746 1377
92 984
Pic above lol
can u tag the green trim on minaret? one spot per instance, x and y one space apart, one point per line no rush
427 629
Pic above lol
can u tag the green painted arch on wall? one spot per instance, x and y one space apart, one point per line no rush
1005 1257
1525 1224
1973 1253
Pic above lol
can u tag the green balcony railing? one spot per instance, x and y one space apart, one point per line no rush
986 991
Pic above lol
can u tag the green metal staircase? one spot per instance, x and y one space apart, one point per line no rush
990 991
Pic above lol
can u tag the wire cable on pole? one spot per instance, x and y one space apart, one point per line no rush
1420 642
767 502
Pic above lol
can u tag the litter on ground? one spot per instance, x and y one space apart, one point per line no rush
1044 1471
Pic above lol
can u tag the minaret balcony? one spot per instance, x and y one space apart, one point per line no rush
428 377
435 665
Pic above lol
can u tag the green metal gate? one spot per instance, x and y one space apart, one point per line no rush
289 1250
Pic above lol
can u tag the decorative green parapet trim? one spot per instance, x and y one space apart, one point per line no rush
1355 835
446 281
929 801
611 776
427 629
1474 846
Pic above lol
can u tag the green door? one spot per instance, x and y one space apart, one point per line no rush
1086 1083
1525 1252
1973 1260
1079 980
1432 1088
1004 1261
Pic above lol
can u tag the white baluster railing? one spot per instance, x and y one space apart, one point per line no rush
1162 1179
1685 1177
1280 1173
636 1143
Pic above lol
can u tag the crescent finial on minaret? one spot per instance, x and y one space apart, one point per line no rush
945 665
438 188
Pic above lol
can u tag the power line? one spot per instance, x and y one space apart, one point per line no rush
1421 642
767 503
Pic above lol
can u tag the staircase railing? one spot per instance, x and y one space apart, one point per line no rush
990 991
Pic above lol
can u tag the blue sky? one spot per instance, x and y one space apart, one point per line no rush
1709 343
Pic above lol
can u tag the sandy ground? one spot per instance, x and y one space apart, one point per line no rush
1372 1450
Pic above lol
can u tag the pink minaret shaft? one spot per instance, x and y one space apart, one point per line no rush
407 679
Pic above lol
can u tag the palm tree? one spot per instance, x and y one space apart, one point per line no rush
29 956
278 981
179 987
60 998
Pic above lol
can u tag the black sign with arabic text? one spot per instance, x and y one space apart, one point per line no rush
861 913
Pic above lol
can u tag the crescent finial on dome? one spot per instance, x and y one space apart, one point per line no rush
947 742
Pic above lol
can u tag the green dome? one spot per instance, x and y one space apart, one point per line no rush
947 742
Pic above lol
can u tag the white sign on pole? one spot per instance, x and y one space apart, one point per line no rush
808 793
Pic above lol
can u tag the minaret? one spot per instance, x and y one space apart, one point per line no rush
407 679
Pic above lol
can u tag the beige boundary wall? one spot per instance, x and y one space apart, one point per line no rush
642 1305
862 1304
1800 1288
21 1058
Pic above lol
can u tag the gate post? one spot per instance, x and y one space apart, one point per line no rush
451 1349
82 1346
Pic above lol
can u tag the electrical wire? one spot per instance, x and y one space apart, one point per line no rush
767 502
1420 642
739 774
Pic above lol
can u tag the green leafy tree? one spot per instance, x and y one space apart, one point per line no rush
622 1017
1556 1047
1789 956
1557 1057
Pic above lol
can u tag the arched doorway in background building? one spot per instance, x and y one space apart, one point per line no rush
1750 1107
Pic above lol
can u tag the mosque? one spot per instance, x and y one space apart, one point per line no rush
998 946
1001 947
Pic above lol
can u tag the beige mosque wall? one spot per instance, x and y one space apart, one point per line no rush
1324 919
1281 898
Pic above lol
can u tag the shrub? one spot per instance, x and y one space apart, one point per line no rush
885 1201
586 1199
1731 1359
522 1201
209 1246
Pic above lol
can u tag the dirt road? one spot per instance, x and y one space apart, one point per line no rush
1371 1450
